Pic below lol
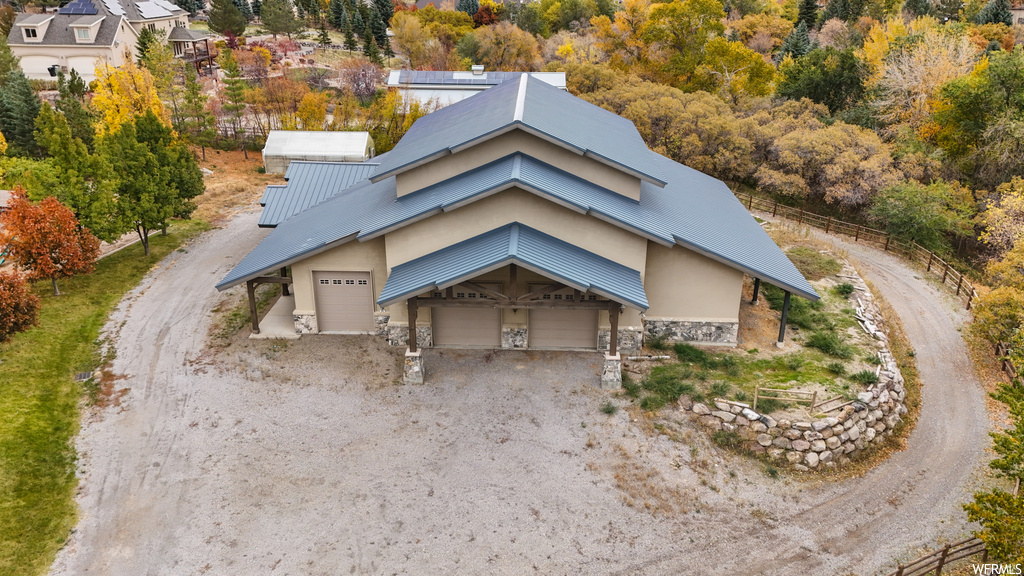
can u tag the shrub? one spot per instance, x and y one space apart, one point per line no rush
845 289
769 405
837 368
652 403
830 343
657 343
794 362
864 377
687 353
727 439
630 386
609 408
719 389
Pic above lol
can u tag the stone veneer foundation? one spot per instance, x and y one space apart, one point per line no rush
693 331
513 338
305 323
399 336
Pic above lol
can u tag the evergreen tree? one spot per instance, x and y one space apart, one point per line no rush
339 15
797 43
279 18
190 6
836 9
19 107
225 17
350 36
995 12
948 10
358 23
146 38
244 9
370 48
323 37
378 27
470 7
808 13
386 9
257 8
71 103
197 122
8 61
234 91
917 7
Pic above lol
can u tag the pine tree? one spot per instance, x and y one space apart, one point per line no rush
995 12
836 9
279 18
234 91
808 13
244 8
358 22
386 9
71 103
370 48
198 123
339 15
190 6
797 43
350 36
917 7
948 10
468 6
225 17
19 107
257 8
146 38
378 27
323 37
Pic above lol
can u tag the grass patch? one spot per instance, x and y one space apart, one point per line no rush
803 313
830 343
727 439
865 377
837 368
609 408
39 402
813 264
845 289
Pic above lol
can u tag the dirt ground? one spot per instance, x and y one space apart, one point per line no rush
307 457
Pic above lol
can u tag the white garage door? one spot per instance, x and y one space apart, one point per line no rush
467 327
344 301
553 328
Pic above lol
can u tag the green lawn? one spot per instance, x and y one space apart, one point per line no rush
39 402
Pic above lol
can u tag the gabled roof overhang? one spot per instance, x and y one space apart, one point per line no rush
525 247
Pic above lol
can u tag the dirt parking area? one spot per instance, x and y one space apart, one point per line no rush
308 457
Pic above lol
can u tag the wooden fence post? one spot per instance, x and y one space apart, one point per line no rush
899 571
945 272
930 256
856 237
958 283
970 297
942 561
828 224
775 208
757 388
887 239
814 400
801 220
750 201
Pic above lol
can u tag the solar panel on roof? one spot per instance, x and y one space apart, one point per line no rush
79 7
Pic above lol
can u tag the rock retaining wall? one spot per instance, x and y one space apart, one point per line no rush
830 439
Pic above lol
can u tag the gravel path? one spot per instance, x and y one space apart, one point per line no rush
305 458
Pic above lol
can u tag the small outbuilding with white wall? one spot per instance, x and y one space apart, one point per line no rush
283 146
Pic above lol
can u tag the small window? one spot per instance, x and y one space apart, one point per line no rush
323 281
362 282
335 281
570 297
558 296
473 295
593 297
83 34
546 297
436 294
30 32
460 294
350 282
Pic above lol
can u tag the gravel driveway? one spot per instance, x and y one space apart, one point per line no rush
306 458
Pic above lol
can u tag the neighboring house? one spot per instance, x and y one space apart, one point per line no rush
285 146
5 199
523 217
1017 13
446 87
85 32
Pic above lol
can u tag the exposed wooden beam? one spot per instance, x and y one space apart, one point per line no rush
413 310
250 289
785 315
284 285
513 280
493 294
757 289
488 303
538 293
270 280
613 317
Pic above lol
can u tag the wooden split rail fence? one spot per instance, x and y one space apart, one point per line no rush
931 262
809 398
934 563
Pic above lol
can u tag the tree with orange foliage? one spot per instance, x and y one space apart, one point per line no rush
46 239
19 308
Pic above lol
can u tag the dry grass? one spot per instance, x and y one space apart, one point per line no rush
644 487
234 186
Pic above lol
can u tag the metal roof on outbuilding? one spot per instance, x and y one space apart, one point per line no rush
535 107
464 80
525 247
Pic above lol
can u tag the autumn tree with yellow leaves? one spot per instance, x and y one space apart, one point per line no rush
123 93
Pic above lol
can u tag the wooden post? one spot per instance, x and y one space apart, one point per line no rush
959 283
750 201
887 239
856 237
945 272
284 285
785 314
814 402
775 207
757 289
942 561
899 571
513 281
757 388
930 256
970 297
828 224
413 309
801 220
250 289
613 338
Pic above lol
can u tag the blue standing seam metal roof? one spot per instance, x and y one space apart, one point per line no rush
515 244
309 183
449 77
537 107
694 210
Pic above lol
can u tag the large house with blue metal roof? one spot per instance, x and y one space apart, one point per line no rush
522 217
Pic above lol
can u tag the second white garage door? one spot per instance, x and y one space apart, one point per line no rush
553 328
466 327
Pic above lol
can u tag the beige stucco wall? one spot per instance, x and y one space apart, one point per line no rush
518 141
352 256
516 205
684 285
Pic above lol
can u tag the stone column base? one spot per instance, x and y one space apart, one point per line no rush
630 339
513 337
611 374
399 336
305 323
413 371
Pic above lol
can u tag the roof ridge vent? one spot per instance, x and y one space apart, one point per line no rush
478 69
521 98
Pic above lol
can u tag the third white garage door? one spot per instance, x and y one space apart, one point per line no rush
466 327
344 301
553 328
